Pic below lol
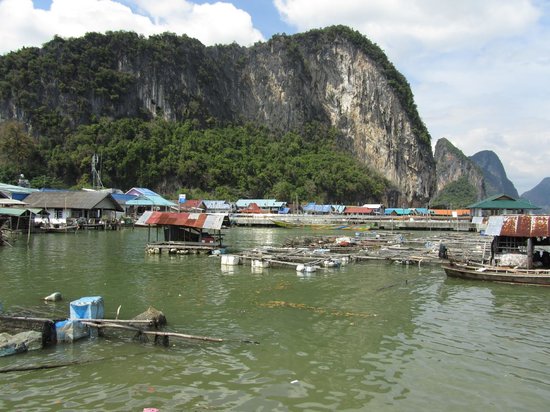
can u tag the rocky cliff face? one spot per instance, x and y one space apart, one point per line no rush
452 164
332 76
540 195
496 181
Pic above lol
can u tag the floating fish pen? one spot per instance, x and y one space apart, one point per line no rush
309 253
183 248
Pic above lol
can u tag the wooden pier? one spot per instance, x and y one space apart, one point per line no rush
343 222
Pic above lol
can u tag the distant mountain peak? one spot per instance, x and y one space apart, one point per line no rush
496 180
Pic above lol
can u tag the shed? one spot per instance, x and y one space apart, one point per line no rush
271 205
201 228
217 206
75 204
192 205
358 210
313 208
397 211
501 204
521 234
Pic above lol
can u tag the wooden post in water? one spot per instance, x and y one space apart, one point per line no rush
530 248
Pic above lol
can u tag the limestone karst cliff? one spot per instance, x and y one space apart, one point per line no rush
452 164
334 76
496 181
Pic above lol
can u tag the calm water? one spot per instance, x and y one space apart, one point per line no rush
371 336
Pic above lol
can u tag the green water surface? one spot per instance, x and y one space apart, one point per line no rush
369 336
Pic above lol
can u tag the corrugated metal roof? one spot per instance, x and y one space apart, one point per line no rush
195 220
503 202
11 202
356 210
217 204
18 189
146 200
73 200
519 226
191 204
137 191
12 211
265 203
122 198
312 207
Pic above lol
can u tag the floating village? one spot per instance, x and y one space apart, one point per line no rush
498 239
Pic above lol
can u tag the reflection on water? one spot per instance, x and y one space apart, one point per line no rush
372 336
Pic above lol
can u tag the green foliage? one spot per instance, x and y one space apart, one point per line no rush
47 181
227 163
18 151
457 194
79 95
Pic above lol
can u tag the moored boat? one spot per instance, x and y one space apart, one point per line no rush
498 274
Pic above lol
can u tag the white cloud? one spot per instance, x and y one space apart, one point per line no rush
435 24
480 70
23 25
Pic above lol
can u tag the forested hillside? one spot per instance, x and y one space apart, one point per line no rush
321 115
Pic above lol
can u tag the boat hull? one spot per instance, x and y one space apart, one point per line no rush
494 274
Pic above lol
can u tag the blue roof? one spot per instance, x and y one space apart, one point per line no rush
122 198
16 189
216 204
143 200
262 203
398 211
141 191
312 207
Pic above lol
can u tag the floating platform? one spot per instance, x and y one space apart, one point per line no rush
183 248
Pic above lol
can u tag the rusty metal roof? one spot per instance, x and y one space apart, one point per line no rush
195 220
519 226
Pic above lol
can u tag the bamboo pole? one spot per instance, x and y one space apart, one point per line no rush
152 332
118 321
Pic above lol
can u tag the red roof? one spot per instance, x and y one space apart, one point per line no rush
195 220
358 210
524 226
253 208
192 204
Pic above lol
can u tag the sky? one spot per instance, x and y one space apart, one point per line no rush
479 70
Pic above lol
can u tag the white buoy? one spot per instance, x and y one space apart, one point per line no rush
230 260
54 297
260 263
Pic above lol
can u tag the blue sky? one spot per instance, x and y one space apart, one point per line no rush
479 70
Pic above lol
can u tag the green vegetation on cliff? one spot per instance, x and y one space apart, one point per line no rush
228 163
107 94
456 195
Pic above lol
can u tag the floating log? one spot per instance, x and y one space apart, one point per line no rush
17 324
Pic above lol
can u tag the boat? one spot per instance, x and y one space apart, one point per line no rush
497 273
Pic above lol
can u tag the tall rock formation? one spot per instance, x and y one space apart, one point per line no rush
540 195
452 164
496 181
333 76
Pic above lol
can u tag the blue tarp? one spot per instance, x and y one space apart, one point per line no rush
314 208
